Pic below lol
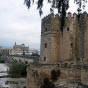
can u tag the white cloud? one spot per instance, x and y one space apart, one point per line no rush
17 23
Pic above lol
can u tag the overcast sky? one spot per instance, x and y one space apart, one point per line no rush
19 24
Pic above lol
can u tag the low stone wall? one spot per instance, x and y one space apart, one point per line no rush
69 74
36 74
22 59
84 76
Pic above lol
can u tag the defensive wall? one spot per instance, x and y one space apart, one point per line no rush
70 74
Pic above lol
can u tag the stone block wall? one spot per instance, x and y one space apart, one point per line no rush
69 74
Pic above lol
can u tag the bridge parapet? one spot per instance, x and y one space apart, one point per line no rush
24 59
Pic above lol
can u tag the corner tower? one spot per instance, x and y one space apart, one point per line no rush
50 39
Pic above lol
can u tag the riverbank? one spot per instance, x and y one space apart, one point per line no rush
7 82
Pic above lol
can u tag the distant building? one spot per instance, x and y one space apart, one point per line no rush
5 51
19 49
34 52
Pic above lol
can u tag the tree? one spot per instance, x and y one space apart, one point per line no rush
1 59
61 5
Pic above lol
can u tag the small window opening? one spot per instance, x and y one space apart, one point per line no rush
45 29
71 44
67 29
44 58
45 45
78 58
26 62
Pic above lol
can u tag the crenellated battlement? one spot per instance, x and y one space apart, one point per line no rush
50 19
68 15
48 16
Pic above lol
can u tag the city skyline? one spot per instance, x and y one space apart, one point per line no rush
20 24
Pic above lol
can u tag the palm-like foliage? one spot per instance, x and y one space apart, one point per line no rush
61 5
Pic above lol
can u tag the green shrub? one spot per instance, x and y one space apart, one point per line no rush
18 70
1 59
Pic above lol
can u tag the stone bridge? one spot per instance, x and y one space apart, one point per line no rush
24 59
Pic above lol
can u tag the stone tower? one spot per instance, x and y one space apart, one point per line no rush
69 46
50 39
58 48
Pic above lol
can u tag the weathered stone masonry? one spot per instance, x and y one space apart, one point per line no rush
69 74
71 46
67 51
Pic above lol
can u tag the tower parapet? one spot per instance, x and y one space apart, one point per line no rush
46 23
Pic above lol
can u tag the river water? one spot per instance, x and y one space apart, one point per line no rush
6 82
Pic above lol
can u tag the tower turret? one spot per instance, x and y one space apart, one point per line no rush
50 39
